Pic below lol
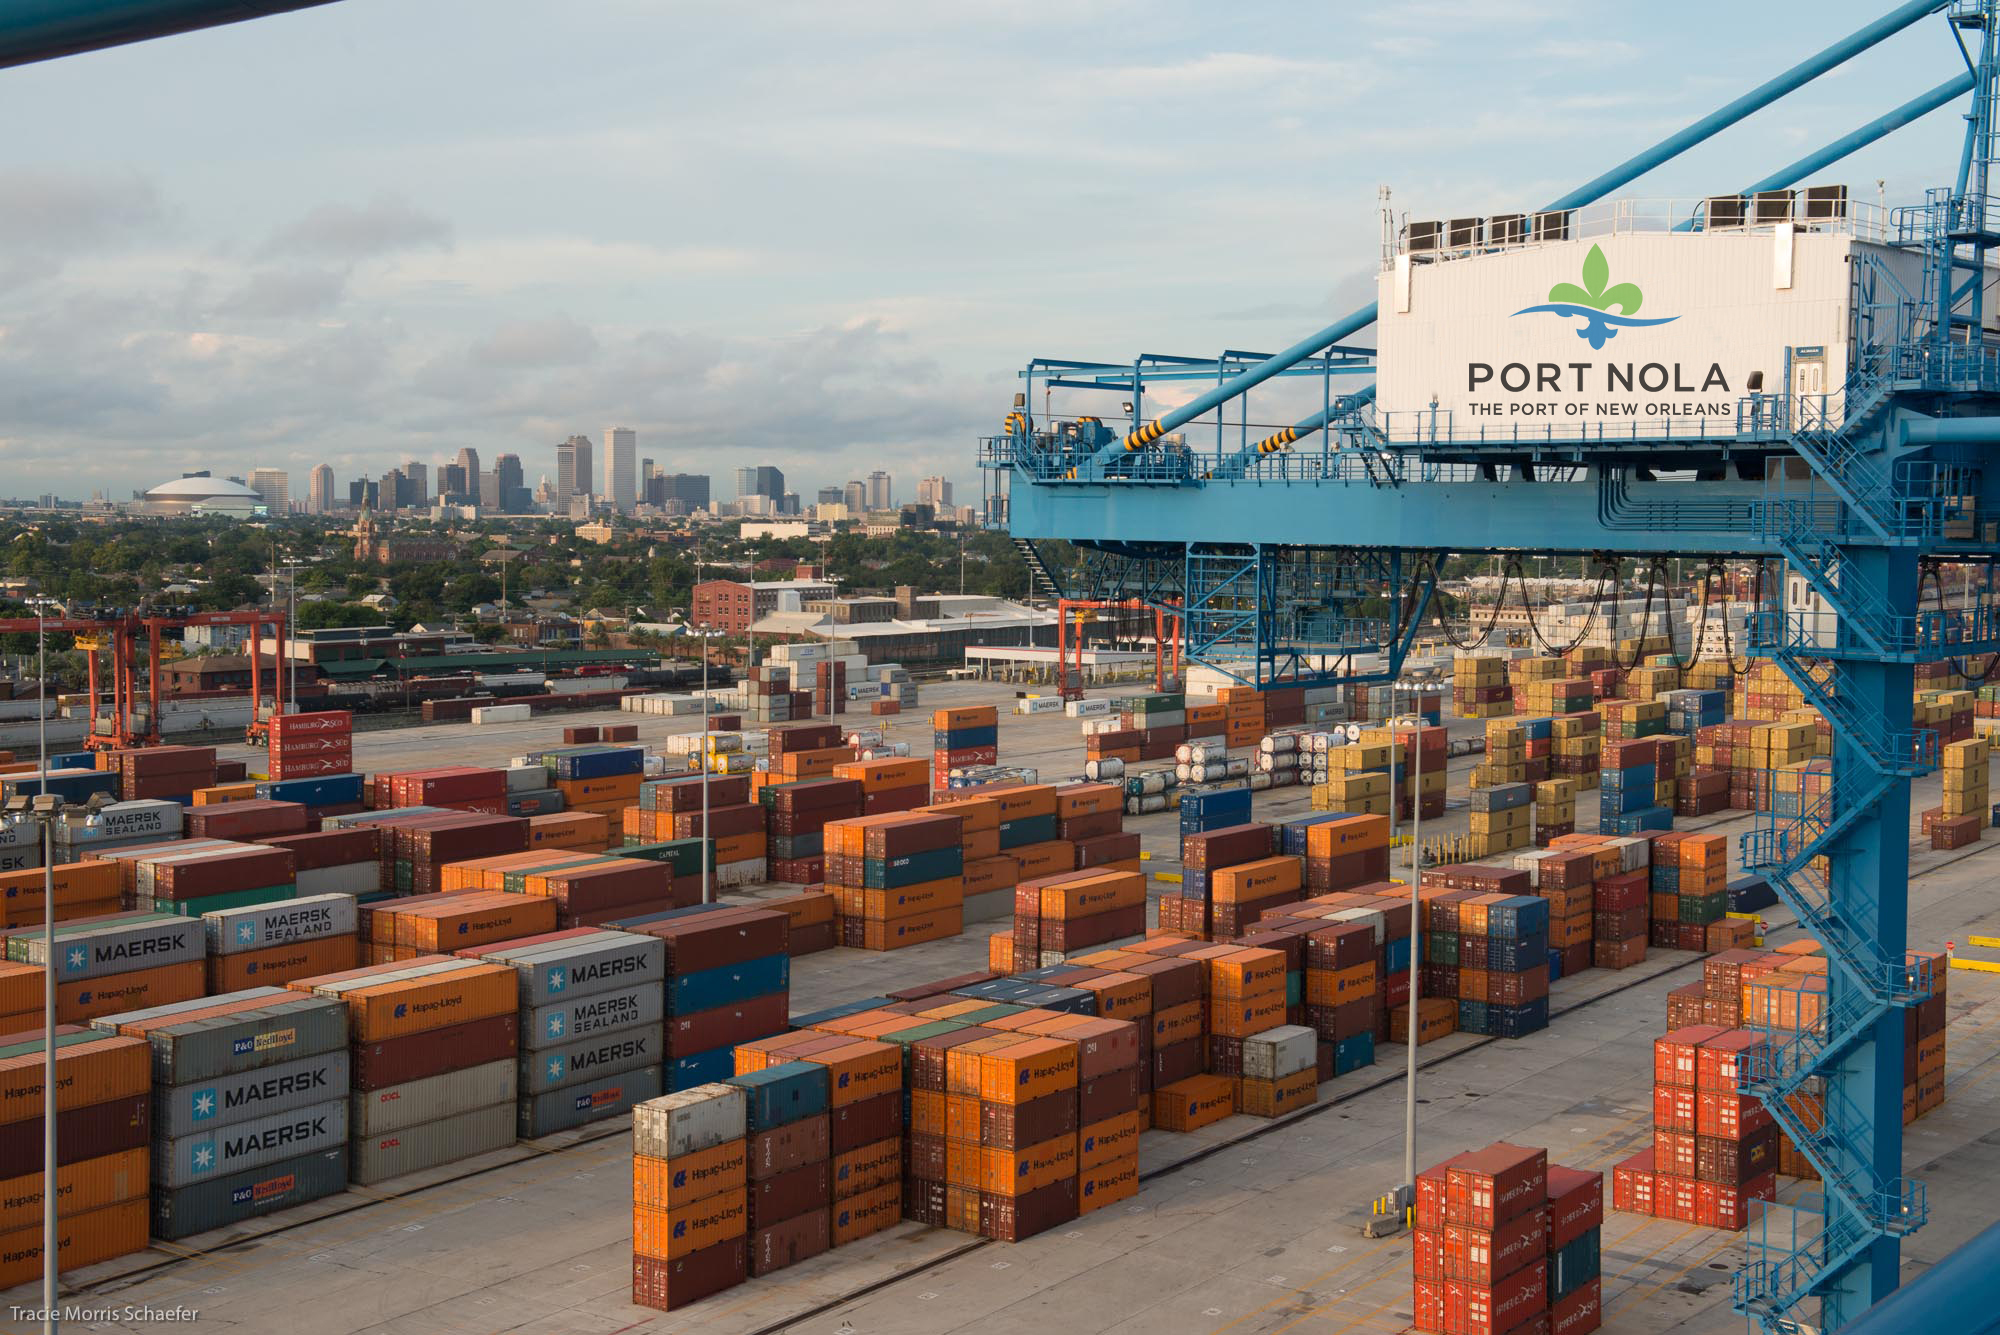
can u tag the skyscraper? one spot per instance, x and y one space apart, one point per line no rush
832 496
468 463
881 491
451 482
389 496
934 492
320 490
510 485
489 489
621 447
763 480
275 486
690 489
573 470
416 477
857 497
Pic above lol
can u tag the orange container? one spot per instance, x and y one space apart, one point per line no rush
811 764
809 908
1177 1024
85 1185
1044 859
895 933
990 873
481 918
225 792
861 1070
1195 1102
669 1184
740 847
1109 1140
670 1234
97 1070
21 988
888 773
966 716
91 997
1014 1172
1354 835
1249 881
1094 892
619 788
1088 799
588 830
1246 971
867 1167
280 964
1108 1183
870 1212
1240 1017
1028 1069
81 1239
75 883
963 1066
924 897
1029 799
1121 996
413 1005
977 813
1338 987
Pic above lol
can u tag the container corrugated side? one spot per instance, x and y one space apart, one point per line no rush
185 1211
377 1158
556 970
209 1155
592 1101
689 1120
268 1035
307 918
381 1111
347 878
603 1054
119 947
599 1013
183 1110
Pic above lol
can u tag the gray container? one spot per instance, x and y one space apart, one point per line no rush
255 926
605 962
210 1155
185 1211
570 1021
290 1026
183 1110
121 947
378 1158
109 1023
349 878
592 1101
148 819
689 1121
377 1112
606 1054
1280 1052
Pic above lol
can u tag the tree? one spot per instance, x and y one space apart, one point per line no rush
321 615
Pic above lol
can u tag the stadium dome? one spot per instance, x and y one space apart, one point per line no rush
203 496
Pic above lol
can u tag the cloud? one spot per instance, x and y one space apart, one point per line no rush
276 294
1587 51
557 341
341 231
49 210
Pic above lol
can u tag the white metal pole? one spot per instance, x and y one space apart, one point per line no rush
1416 976
707 732
49 1246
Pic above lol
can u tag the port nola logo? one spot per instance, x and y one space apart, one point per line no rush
1594 300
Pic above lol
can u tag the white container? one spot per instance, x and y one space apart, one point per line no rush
588 1058
575 1018
202 1106
379 1157
689 1121
348 878
526 777
1038 704
502 714
1092 727
255 926
1280 1052
377 1112
750 871
1140 806
1087 708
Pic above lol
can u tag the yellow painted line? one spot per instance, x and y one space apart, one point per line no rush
1144 856
1976 966
1171 877
1989 942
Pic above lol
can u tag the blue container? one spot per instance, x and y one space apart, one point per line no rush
1516 1021
1517 918
1555 963
916 868
1633 776
1025 830
964 739
1194 883
1502 797
74 760
1574 1265
1396 955
1071 1000
1293 834
1517 956
1353 1053
601 763
845 1008
706 989
700 1068
782 1094
73 785
1616 802
324 791
1748 894
798 845
1472 1017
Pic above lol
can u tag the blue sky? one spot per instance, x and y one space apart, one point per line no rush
821 235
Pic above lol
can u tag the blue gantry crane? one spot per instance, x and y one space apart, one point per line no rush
1858 459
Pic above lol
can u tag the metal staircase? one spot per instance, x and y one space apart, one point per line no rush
1040 578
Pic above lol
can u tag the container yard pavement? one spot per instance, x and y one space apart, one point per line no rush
1241 1227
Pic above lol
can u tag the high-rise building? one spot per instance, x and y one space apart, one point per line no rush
646 471
416 478
573 470
832 496
394 491
319 494
690 489
934 492
788 504
451 483
275 486
363 494
763 480
857 497
621 447
881 491
510 485
489 489
468 467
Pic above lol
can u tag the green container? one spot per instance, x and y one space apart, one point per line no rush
516 882
235 899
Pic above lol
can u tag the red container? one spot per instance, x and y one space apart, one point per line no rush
1673 1108
1229 846
251 868
784 1148
1674 1060
395 1061
866 1122
286 727
793 1192
1576 1204
1486 1257
1491 1186
1632 1184
1725 1061
256 818
1581 1312
775 1246
1718 1206
1730 1116
1499 1308
726 1026
1427 1256
319 849
711 940
1013 1218
1428 1305
1675 1198
1674 1152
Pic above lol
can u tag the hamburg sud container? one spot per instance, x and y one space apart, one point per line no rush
274 943
103 1119
593 1030
250 1110
433 1043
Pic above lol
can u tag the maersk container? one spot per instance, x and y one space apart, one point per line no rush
377 1112
291 1026
184 1110
377 1158
576 1018
592 1101
120 947
186 1211
605 1054
151 818
209 1155
689 1121
233 931
608 961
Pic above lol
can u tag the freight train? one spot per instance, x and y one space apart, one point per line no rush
378 697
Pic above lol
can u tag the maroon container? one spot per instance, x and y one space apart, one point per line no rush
393 1061
924 1200
775 1246
722 821
916 833
942 986
330 848
81 1133
784 1148
726 1026
1228 847
1576 1204
790 1193
1092 826
253 819
1016 1126
1175 982
251 869
618 885
866 1122
1012 1218
712 940
1176 1061
1732 1163
668 1286
1340 947
1099 850
928 1056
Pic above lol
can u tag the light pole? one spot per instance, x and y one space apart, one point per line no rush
291 631
45 805
1416 978
707 725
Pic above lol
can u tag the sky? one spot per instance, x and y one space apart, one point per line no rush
825 236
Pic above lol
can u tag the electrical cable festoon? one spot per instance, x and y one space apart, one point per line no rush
1429 568
1933 572
1607 573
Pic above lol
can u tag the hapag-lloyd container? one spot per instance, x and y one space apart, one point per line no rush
252 1144
231 931
181 1110
598 1013
380 1111
589 1101
377 1158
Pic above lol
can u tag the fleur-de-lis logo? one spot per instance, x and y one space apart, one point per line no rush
1594 301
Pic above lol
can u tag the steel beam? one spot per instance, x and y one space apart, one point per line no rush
32 30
